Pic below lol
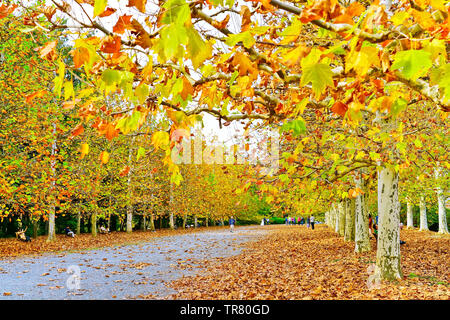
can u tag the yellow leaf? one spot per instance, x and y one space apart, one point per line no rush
104 157
84 150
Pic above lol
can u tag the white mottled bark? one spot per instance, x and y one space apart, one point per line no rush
341 213
423 214
442 216
349 234
51 214
409 216
336 217
171 207
362 242
130 189
388 246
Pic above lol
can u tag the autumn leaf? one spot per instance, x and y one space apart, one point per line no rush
104 157
138 4
99 7
79 129
245 65
6 10
319 75
81 55
111 44
124 172
48 51
246 18
339 108
122 24
412 63
37 94
84 150
107 12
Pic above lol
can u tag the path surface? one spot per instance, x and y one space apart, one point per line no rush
122 272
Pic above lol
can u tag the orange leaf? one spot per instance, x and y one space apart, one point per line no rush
138 4
188 89
339 108
108 11
79 129
122 24
80 56
6 10
124 171
48 51
111 45
38 94
246 18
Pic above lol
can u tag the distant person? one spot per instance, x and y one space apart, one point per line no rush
312 220
232 222
262 221
401 227
373 227
22 236
69 232
308 222
103 230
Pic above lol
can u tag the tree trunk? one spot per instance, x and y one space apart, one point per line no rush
152 221
171 220
35 223
130 188
350 220
94 224
442 215
341 218
409 216
184 221
337 217
423 214
362 242
144 225
78 221
195 221
52 211
388 246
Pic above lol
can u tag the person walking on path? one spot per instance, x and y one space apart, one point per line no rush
307 222
312 220
231 222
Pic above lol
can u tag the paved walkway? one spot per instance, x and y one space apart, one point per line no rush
122 272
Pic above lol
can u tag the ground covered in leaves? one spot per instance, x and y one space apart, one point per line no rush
11 247
294 262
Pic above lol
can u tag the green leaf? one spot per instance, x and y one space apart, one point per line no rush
297 126
140 153
198 50
177 11
142 92
245 37
412 63
320 76
110 77
172 38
